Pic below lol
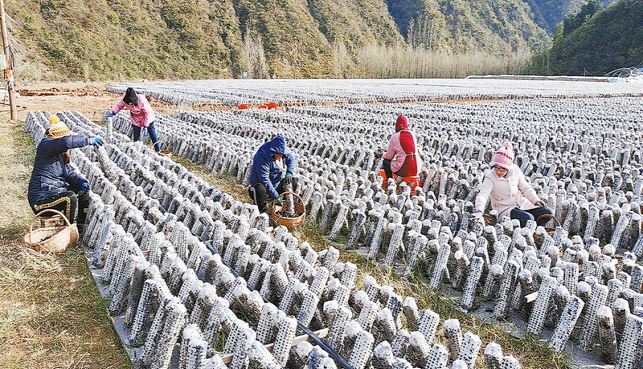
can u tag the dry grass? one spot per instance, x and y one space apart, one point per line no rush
400 61
51 313
223 182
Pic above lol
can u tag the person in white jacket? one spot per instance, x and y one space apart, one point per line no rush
511 195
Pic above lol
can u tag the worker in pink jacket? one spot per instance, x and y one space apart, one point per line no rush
403 154
141 115
510 193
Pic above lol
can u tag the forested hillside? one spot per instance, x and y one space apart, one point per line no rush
550 13
110 39
498 26
596 44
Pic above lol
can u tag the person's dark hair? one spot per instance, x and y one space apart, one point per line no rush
130 97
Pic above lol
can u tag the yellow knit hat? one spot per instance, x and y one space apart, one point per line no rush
57 129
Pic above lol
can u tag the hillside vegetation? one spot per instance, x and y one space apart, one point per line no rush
605 41
116 39
497 26
550 13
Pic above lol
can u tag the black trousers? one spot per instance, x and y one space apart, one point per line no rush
386 165
533 214
66 202
259 194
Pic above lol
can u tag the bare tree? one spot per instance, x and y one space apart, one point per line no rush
341 60
402 61
255 59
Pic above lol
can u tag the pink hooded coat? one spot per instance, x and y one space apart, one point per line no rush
141 114
401 140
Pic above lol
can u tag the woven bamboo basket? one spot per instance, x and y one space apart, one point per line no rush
551 230
165 151
286 221
52 239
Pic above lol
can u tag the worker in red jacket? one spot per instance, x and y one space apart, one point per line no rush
403 154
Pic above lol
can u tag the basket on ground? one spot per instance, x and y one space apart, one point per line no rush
51 239
550 230
164 150
276 212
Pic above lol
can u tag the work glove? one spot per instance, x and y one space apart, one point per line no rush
541 203
85 187
477 217
288 179
278 201
97 141
111 114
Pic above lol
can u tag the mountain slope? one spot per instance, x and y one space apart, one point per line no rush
107 39
608 41
549 13
496 26
298 35
113 39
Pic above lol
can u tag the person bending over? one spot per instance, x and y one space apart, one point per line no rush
141 115
267 178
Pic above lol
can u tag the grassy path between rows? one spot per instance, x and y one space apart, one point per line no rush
528 349
51 313
52 316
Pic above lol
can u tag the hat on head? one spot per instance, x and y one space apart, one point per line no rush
401 123
504 157
57 129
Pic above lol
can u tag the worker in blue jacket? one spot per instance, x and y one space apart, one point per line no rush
54 183
267 179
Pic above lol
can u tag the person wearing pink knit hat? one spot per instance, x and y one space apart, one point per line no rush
510 193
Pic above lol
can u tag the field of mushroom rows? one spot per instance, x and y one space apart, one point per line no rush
198 279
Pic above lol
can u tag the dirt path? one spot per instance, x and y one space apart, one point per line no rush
91 99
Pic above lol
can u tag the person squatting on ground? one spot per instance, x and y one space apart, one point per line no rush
141 115
54 183
511 195
267 178
403 154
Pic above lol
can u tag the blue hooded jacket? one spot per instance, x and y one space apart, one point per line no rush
50 173
264 166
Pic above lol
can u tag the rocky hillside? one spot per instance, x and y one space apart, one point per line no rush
115 39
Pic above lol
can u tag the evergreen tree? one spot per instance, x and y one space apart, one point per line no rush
587 11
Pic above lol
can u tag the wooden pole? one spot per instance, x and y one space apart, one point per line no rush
8 71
